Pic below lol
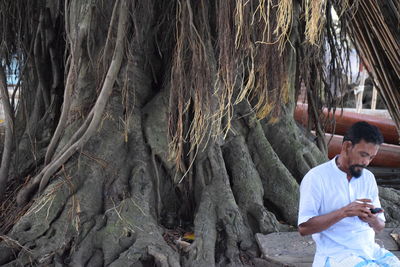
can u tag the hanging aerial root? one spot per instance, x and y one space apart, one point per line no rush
191 81
71 81
201 103
42 179
9 132
64 113
284 22
315 20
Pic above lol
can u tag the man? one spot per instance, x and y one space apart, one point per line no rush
336 199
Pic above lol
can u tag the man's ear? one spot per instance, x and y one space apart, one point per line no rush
346 146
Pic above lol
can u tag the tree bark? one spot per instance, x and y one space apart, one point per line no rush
110 192
9 133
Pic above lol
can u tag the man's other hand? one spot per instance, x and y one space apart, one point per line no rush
360 208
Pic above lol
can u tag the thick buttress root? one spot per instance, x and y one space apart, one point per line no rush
218 218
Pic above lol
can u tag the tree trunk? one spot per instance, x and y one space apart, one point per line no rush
104 188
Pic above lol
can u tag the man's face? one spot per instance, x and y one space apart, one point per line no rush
359 156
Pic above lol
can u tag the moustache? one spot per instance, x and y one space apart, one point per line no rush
358 165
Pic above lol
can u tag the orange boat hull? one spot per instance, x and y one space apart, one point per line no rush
346 119
388 155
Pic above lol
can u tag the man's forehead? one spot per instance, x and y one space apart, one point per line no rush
368 148
368 144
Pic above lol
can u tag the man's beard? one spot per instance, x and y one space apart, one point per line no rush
356 172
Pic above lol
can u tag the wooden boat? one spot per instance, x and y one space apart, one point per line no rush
345 119
388 154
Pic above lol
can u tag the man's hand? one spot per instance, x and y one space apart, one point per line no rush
360 208
372 219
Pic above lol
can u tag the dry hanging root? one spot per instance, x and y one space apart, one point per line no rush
315 20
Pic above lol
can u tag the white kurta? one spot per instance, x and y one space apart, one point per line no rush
324 189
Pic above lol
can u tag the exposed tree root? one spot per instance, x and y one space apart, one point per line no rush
219 217
75 223
281 191
136 216
296 152
247 186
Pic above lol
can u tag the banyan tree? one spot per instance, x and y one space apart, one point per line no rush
134 121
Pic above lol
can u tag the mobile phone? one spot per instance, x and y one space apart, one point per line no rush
376 210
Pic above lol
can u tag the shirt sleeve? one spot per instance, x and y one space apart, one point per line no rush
375 198
310 198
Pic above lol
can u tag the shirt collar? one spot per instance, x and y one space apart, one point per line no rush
336 168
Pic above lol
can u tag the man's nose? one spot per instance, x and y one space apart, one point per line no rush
366 161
